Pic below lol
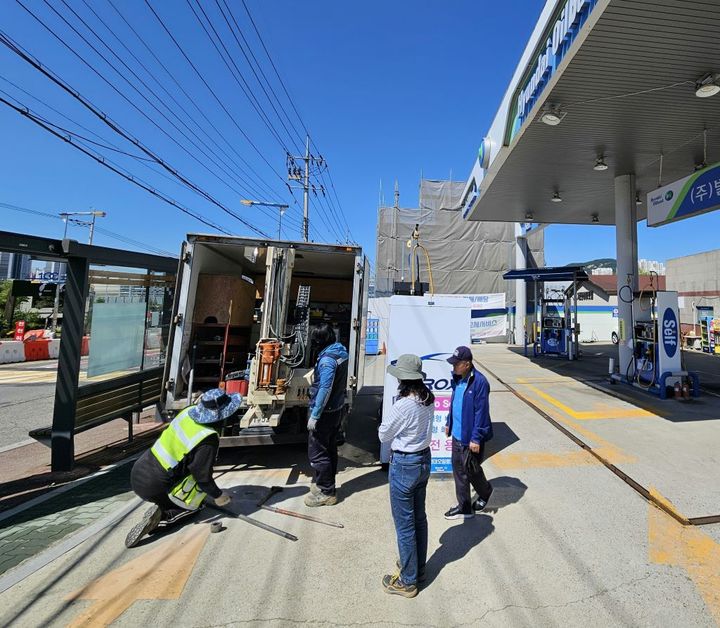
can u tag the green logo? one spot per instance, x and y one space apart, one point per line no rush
668 195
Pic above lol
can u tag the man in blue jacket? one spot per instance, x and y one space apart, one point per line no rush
468 423
327 404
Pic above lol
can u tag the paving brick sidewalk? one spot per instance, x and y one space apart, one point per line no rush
33 530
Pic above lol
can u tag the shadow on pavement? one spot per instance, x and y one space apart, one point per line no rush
456 543
503 437
507 490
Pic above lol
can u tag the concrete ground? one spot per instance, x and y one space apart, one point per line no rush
565 541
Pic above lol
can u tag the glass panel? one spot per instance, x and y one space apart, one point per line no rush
127 322
116 335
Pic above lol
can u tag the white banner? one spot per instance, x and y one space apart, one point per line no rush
488 316
430 327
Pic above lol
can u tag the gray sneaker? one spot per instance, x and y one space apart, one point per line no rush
314 489
320 500
150 521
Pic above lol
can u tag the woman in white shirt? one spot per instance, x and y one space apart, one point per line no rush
408 428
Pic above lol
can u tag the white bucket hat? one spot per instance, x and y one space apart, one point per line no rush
406 367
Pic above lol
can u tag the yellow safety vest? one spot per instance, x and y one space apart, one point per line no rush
176 442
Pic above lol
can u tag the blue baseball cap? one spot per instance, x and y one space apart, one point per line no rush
461 354
215 405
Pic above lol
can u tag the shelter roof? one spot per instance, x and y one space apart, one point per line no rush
555 273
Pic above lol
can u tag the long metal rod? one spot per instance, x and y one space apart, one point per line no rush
290 513
259 524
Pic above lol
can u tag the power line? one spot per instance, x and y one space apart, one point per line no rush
272 63
252 68
200 76
259 179
24 111
142 160
292 104
110 234
122 75
233 164
241 82
9 43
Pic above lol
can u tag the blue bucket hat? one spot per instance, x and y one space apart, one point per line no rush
215 405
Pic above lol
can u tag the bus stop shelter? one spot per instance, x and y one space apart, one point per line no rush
117 320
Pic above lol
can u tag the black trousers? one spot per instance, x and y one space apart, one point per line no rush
466 475
150 482
322 451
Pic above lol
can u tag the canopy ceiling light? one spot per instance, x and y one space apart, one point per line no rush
708 85
595 218
556 198
552 115
600 163
528 215
637 199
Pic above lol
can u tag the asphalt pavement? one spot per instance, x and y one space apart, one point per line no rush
27 394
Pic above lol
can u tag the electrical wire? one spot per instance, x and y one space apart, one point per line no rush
259 67
205 150
9 43
260 181
147 163
241 82
114 167
212 92
292 104
98 229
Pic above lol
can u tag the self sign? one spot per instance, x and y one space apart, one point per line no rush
669 332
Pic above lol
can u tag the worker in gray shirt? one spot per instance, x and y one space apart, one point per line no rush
408 429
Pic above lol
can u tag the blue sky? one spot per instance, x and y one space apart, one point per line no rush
389 90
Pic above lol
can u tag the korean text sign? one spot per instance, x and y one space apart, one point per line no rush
430 327
693 195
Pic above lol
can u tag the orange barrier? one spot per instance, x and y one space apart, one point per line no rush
85 346
37 350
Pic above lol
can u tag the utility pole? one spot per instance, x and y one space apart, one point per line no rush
306 191
66 218
296 173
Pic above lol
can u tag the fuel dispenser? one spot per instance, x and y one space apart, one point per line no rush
555 328
657 357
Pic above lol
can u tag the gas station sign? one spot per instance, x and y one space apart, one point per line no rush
697 194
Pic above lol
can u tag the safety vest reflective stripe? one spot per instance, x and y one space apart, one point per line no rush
180 437
187 494
164 458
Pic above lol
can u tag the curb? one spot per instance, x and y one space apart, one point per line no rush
63 489
34 564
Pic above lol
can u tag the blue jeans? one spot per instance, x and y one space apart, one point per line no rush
409 475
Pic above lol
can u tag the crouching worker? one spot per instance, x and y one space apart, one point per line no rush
176 473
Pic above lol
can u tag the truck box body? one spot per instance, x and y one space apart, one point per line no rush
243 313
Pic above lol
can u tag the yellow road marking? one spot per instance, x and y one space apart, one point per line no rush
607 450
671 543
26 377
542 460
160 574
609 413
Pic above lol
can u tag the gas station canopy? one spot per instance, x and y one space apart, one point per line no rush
620 77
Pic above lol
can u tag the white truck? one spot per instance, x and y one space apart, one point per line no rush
242 317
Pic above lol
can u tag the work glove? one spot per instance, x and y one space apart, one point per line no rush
223 500
312 424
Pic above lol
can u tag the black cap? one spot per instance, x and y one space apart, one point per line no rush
461 354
